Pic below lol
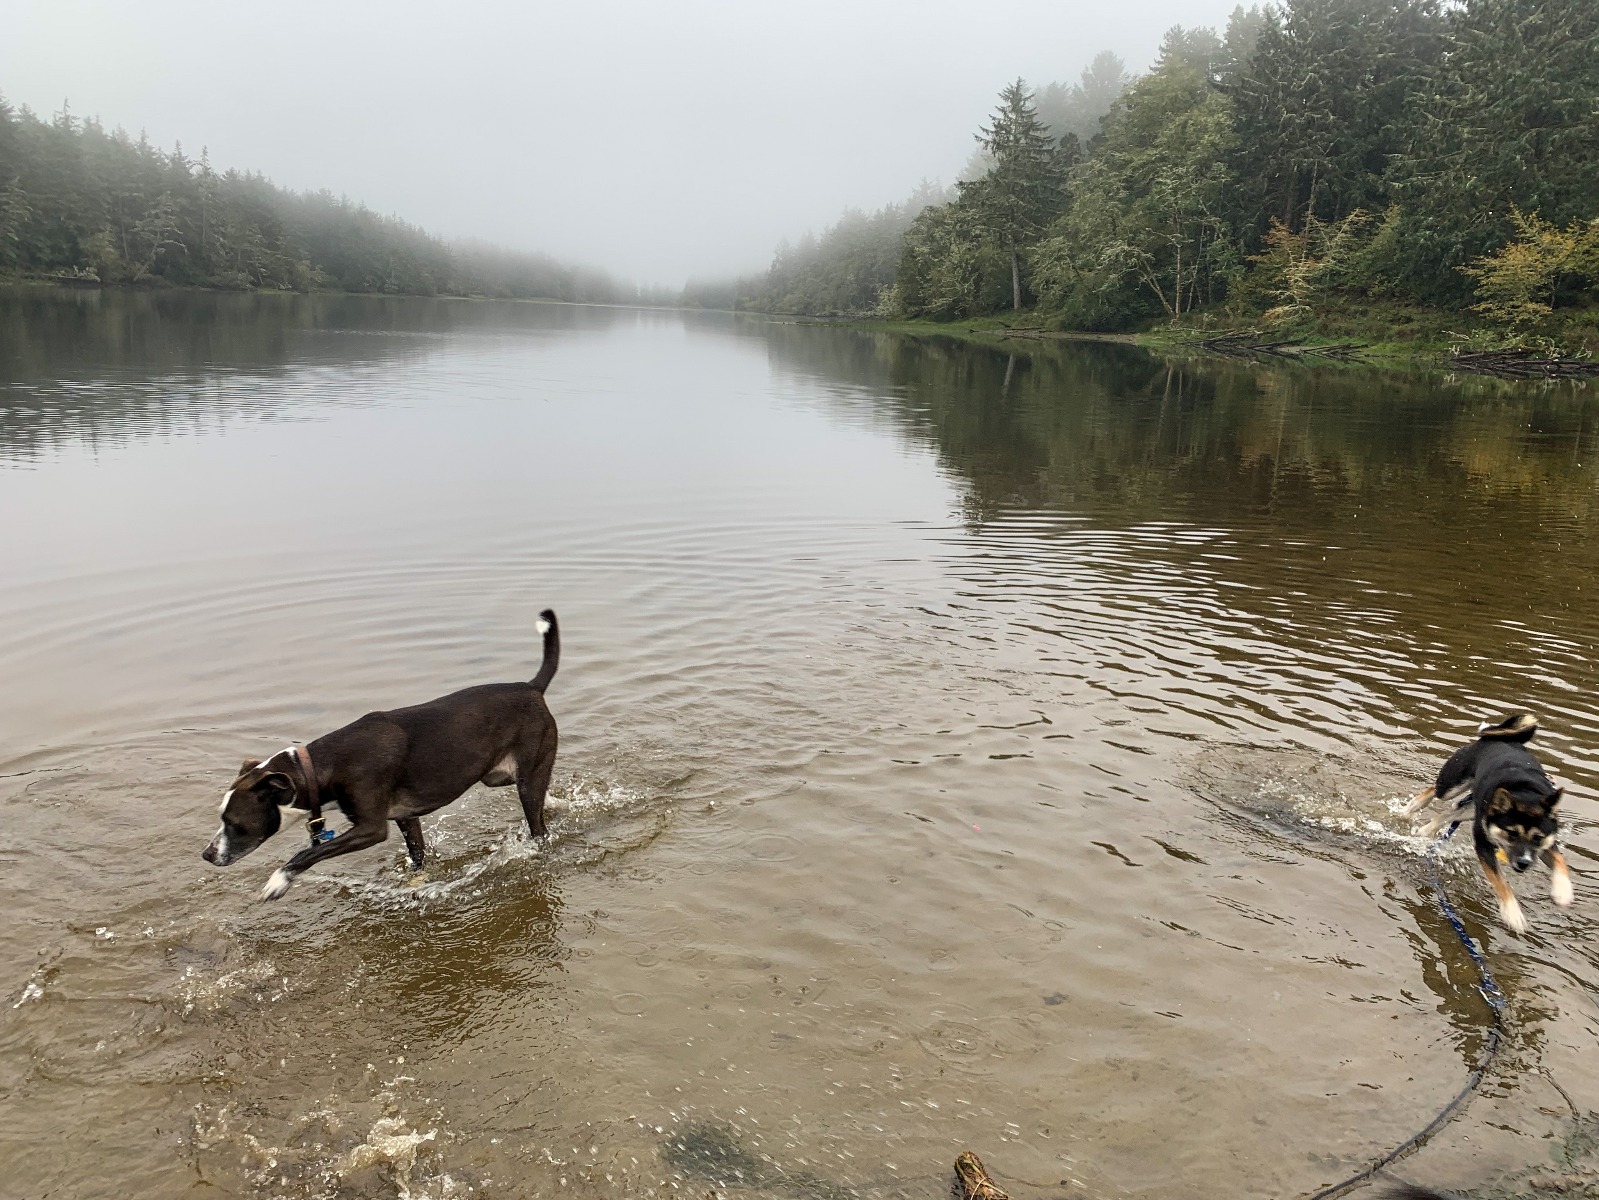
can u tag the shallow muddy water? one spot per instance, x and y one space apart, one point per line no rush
959 750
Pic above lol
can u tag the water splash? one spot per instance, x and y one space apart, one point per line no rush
323 1154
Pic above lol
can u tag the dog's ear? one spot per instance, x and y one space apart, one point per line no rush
1500 802
250 764
1552 800
276 779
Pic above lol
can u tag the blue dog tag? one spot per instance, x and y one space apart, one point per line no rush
327 835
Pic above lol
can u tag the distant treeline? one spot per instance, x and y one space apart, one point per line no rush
1316 153
79 202
843 271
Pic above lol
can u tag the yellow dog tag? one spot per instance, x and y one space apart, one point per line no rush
1501 856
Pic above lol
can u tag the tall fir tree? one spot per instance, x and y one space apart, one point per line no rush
1078 108
1509 120
1025 188
1326 105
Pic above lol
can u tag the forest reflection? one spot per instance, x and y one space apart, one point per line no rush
99 365
1113 428
1437 533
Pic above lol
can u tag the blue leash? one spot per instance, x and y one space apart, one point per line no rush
1496 1034
1485 978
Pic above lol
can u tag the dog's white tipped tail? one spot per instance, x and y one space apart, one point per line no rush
277 885
551 633
542 626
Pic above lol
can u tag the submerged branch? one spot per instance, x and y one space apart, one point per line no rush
1251 343
1524 364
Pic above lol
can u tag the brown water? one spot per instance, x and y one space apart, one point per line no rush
958 750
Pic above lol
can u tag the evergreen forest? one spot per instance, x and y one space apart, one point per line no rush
79 203
1316 161
1315 157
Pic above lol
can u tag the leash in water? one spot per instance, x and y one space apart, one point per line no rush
970 1175
1495 1037
965 1175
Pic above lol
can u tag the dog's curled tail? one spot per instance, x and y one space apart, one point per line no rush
1515 727
552 650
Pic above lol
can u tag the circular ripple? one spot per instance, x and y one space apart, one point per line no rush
774 847
962 1045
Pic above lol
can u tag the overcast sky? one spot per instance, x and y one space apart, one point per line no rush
660 140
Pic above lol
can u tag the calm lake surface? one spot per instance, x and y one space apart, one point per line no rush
959 750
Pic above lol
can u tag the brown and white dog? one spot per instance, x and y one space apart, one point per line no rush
397 766
1513 807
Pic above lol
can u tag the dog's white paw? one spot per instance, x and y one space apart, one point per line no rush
1560 890
1510 914
277 885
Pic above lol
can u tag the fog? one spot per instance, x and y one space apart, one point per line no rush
660 141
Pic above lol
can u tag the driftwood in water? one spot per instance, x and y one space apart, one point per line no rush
1524 364
972 1181
1251 343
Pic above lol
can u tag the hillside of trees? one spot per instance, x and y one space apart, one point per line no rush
1312 155
853 266
78 202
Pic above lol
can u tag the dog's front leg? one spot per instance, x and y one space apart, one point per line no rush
1560 890
357 837
1509 907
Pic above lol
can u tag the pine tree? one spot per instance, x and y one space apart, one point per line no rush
1025 188
1078 108
1510 120
1146 205
1324 106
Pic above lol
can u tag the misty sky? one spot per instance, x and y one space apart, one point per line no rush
657 140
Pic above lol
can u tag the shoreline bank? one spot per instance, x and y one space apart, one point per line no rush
1421 341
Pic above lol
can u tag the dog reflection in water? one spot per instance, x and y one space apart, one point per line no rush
1513 806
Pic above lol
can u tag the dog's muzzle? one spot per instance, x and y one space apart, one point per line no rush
1522 860
216 852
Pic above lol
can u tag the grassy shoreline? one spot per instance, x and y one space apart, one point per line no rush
1384 333
1381 333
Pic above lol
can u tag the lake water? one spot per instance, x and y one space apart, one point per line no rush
959 749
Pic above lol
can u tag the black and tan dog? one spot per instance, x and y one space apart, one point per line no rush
397 766
1513 807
